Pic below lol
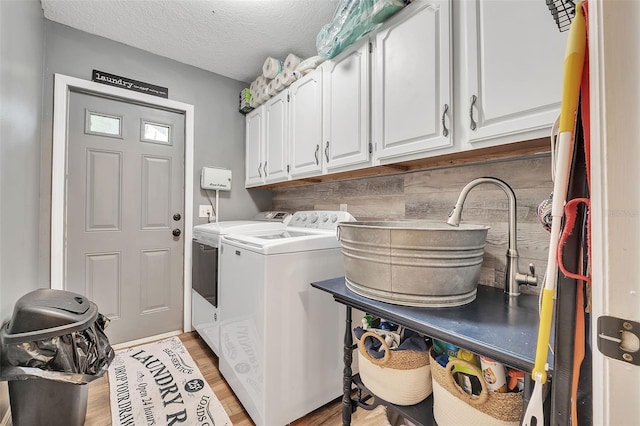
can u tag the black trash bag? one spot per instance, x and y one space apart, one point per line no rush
78 357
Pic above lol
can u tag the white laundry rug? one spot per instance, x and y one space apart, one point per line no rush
160 384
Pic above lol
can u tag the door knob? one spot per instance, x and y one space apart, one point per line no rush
176 232
177 217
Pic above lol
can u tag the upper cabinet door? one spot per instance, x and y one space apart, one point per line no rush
412 82
346 109
305 125
276 132
254 146
511 70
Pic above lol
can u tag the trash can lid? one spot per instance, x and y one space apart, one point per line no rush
47 308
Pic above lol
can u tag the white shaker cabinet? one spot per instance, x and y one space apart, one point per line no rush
346 109
510 70
412 75
266 142
305 125
276 121
439 77
254 148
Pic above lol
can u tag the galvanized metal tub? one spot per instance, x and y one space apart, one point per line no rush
413 263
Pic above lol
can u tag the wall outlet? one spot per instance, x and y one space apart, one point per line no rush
343 207
205 211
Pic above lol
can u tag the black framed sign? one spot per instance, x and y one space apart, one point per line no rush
127 83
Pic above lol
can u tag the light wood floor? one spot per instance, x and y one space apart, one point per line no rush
99 412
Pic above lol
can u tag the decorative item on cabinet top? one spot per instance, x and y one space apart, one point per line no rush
245 101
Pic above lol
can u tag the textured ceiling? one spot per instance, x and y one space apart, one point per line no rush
228 37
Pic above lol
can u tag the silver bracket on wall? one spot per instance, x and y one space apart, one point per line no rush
619 339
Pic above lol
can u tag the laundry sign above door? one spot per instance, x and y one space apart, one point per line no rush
127 83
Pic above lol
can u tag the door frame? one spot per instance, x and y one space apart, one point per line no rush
614 205
63 86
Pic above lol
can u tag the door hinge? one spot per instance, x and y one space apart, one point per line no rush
288 168
288 98
370 148
619 339
370 47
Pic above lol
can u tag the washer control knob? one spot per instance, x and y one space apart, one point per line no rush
334 218
313 217
325 218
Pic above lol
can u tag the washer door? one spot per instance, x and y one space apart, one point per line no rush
205 271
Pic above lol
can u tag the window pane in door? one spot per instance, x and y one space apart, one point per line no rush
103 124
154 132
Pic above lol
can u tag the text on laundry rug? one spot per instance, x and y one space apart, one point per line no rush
161 387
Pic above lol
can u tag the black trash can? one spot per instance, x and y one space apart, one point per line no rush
53 345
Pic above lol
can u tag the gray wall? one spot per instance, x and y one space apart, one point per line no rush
430 194
219 127
32 50
21 58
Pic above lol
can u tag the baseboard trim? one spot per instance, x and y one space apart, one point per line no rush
142 341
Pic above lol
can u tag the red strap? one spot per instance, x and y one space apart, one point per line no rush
570 213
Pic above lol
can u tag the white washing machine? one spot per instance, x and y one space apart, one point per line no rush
205 300
281 340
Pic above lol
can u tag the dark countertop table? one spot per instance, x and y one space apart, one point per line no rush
490 326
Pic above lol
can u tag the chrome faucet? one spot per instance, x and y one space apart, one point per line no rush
513 277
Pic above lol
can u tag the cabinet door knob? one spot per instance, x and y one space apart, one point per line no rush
259 170
316 154
326 152
445 131
264 168
473 125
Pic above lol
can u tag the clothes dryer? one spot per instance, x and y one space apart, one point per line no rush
205 271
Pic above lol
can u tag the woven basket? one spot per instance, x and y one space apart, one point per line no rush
401 377
453 406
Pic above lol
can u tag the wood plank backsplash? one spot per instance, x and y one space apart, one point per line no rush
431 194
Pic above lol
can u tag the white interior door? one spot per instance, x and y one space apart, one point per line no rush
125 213
614 39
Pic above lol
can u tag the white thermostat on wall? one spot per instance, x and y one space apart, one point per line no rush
215 178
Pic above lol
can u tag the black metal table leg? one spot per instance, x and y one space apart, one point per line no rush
347 405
